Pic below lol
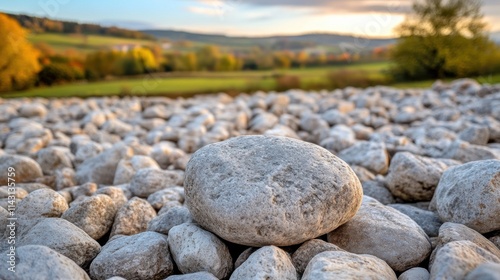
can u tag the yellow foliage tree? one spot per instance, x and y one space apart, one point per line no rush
18 60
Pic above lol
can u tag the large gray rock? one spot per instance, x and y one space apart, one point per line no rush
94 215
427 220
383 232
64 238
458 258
469 194
133 217
344 265
40 262
370 155
308 250
194 249
259 190
415 178
150 180
141 256
485 271
268 262
23 169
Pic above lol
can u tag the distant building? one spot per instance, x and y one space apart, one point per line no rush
125 47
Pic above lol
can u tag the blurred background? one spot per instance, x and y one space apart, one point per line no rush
68 48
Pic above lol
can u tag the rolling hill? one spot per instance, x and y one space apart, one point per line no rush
274 42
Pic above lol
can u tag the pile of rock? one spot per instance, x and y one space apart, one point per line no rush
378 183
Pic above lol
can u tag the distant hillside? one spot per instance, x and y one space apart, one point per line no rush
274 42
42 25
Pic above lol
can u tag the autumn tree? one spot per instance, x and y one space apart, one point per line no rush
18 60
443 38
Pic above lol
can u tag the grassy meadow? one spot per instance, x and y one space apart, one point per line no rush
189 83
81 43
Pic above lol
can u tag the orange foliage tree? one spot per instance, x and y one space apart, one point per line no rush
18 60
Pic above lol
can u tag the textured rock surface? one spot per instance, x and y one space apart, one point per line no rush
427 220
195 250
486 271
268 262
344 265
25 169
417 273
40 262
383 232
308 250
450 232
458 258
260 190
133 217
415 178
94 215
64 238
469 194
151 258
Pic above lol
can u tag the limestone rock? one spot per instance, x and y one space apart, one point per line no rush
259 190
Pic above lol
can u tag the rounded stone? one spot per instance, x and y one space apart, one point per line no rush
259 190
469 194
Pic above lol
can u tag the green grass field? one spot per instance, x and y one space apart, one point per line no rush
187 84
81 43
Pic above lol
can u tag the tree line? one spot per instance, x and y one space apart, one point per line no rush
39 25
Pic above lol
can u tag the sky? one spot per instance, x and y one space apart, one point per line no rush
369 18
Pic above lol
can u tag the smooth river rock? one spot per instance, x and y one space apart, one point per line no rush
259 190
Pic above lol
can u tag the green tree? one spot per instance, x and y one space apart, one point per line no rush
443 38
18 60
207 57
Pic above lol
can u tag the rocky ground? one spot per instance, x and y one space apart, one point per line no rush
378 183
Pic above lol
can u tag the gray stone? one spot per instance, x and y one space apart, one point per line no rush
259 190
175 216
416 273
370 155
203 275
306 252
415 178
54 158
194 249
450 232
116 194
378 191
41 262
161 197
133 217
475 134
465 152
23 169
344 265
427 220
39 204
101 169
94 215
485 271
458 258
127 168
371 229
64 238
142 256
150 180
268 262
469 194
